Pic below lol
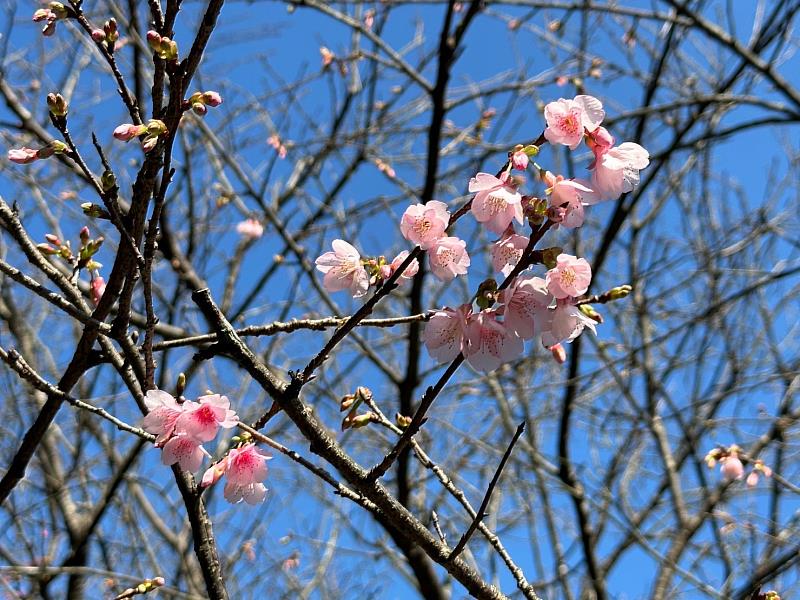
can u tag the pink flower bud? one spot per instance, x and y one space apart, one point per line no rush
128 131
327 56
43 14
154 39
559 354
752 479
22 156
520 160
212 99
149 143
84 234
199 109
98 287
732 467
52 238
98 35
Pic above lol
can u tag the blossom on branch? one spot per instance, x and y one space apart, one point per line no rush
489 343
567 120
343 269
570 277
244 468
448 257
425 224
444 332
496 202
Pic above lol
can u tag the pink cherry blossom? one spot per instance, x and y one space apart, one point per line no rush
616 169
200 420
163 411
489 342
565 323
526 303
424 224
127 131
448 257
752 479
567 200
507 251
22 156
246 469
343 269
520 160
250 229
409 272
496 203
185 451
444 332
98 287
567 120
570 277
731 467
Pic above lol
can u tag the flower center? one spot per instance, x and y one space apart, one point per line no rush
568 276
494 204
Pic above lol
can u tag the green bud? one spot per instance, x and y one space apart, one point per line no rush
57 105
619 292
108 180
550 256
589 311
487 294
531 150
181 385
95 210
402 421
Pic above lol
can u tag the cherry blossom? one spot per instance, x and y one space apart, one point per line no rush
185 451
409 272
444 332
731 466
559 354
425 224
496 202
565 323
163 412
568 119
570 277
526 303
343 269
567 200
489 343
246 468
507 251
615 169
250 229
200 420
23 156
448 257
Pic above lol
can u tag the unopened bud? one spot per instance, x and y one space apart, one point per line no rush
110 30
487 294
46 249
59 9
402 421
94 210
347 402
550 256
108 180
98 35
84 234
619 292
590 312
52 238
363 393
362 420
199 109
57 105
180 387
559 354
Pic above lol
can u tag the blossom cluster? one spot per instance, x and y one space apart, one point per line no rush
181 428
529 307
345 269
731 465
550 309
